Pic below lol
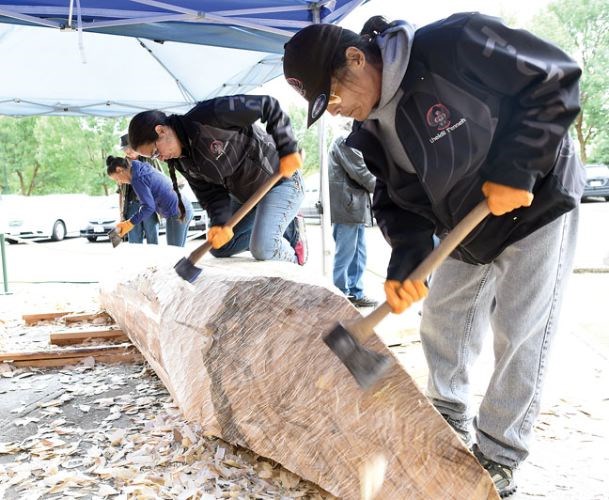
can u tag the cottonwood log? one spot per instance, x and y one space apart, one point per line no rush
241 352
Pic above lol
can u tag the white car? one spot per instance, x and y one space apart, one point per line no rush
52 216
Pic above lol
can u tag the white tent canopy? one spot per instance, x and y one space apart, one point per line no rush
117 57
50 72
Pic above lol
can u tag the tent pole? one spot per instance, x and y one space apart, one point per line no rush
70 14
324 189
324 185
3 256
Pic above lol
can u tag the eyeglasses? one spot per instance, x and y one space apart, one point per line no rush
334 99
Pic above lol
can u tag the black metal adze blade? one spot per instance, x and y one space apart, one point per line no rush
187 270
365 365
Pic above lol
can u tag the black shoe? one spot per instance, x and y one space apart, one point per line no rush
363 302
502 475
462 430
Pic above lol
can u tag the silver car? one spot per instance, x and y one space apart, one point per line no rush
597 182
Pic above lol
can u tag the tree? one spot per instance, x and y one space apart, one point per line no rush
581 28
43 155
308 138
60 153
18 153
101 139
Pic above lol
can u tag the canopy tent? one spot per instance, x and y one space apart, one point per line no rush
168 55
261 25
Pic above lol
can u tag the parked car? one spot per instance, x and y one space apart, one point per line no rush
53 216
597 182
200 220
105 215
311 204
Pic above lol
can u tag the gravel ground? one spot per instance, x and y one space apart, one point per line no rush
91 431
100 431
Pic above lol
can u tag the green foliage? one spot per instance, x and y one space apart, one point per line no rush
581 28
18 152
308 138
42 155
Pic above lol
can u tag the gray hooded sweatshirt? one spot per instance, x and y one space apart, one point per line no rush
395 44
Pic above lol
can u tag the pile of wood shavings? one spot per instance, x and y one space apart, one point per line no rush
113 431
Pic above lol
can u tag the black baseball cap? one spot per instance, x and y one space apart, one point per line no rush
308 63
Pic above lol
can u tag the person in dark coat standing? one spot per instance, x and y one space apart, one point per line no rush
351 184
459 111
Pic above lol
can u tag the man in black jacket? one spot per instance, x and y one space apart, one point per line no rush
464 110
351 184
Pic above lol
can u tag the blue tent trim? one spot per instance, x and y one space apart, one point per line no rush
248 24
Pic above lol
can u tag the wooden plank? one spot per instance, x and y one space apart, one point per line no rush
31 319
76 352
130 355
71 337
74 318
241 352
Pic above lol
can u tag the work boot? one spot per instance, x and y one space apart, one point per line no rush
363 301
462 430
300 240
502 475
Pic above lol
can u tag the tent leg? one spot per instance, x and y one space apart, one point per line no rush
4 276
324 189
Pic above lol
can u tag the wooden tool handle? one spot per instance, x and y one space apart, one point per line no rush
198 252
366 325
253 200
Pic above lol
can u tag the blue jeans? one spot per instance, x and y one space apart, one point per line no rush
516 297
149 226
349 258
176 230
262 230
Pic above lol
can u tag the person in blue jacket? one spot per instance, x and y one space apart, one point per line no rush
129 205
156 194
458 111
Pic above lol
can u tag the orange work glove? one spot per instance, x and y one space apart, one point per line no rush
219 236
289 164
401 295
502 199
124 227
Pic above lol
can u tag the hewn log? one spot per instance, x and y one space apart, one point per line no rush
241 352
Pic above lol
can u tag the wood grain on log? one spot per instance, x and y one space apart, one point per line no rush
240 351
